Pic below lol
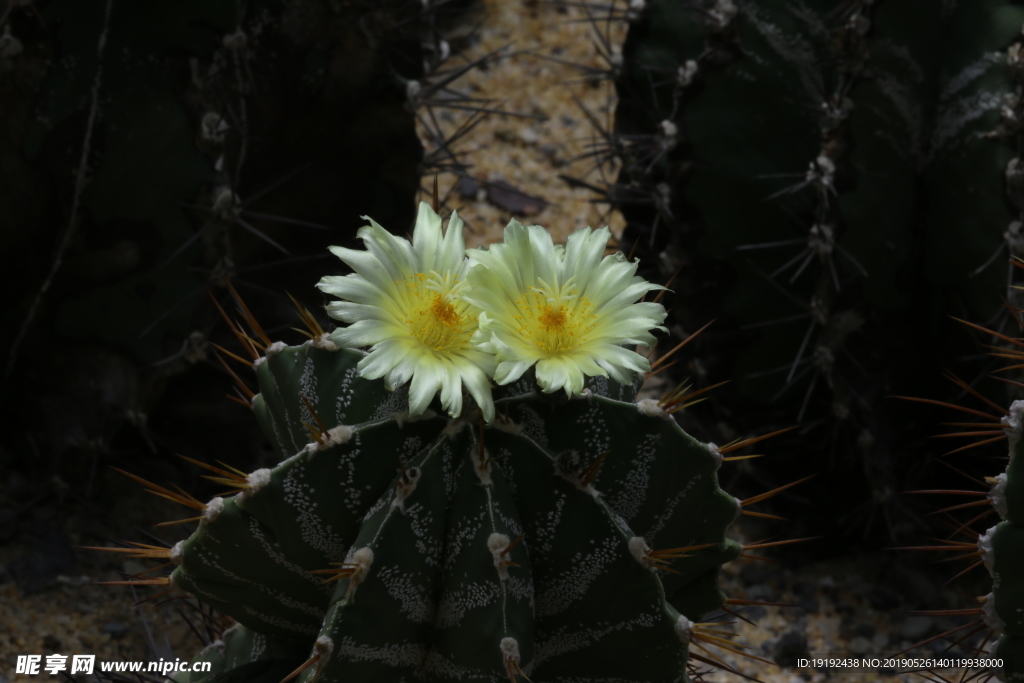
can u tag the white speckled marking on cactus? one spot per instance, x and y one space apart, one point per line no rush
595 431
393 654
566 588
213 509
313 529
461 532
280 622
634 493
210 558
291 445
454 604
665 516
563 641
394 403
259 647
408 589
307 388
255 528
533 426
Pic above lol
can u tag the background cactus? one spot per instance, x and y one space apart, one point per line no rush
831 179
1000 547
150 152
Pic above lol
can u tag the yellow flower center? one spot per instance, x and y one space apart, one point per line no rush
436 319
557 322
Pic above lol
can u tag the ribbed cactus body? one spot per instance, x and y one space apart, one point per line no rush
837 181
528 546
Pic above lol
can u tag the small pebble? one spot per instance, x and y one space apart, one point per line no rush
116 629
915 627
790 647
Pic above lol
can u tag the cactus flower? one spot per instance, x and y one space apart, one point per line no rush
568 309
404 301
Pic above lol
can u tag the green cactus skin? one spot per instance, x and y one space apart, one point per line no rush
426 513
876 142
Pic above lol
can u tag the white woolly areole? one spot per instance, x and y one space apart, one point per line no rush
506 425
684 629
1012 424
335 437
213 509
178 553
510 648
650 408
363 559
406 485
482 465
454 427
258 362
987 551
257 480
322 342
685 73
638 547
715 453
275 348
989 616
496 543
322 648
997 495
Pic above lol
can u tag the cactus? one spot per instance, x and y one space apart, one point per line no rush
1000 548
831 179
529 533
152 151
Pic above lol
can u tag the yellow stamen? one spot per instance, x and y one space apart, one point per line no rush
557 321
436 317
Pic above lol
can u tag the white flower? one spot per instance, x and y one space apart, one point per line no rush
404 300
566 309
